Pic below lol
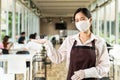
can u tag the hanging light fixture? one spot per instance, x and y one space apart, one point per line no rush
49 20
38 12
61 20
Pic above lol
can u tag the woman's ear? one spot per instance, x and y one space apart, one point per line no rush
90 20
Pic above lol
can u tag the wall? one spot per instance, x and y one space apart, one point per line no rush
0 20
49 28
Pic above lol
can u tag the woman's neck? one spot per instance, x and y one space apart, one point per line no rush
84 36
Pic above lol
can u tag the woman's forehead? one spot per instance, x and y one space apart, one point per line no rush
80 15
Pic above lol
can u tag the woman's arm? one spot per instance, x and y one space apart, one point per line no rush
9 46
56 56
103 65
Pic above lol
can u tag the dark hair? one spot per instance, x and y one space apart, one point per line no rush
5 41
86 12
32 36
22 33
35 34
42 36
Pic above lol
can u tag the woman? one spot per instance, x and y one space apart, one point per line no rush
86 55
5 45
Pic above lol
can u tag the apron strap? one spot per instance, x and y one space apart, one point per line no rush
93 43
75 42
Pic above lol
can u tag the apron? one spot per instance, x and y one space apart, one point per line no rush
81 57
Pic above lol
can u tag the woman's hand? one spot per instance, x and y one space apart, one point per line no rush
40 41
9 45
75 77
78 75
0 51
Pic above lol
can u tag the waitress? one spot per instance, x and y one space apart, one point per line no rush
86 55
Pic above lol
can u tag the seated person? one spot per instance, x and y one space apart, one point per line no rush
36 36
32 45
5 45
53 41
22 38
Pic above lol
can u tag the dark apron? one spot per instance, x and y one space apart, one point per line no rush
81 57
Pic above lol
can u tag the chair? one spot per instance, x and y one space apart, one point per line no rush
17 65
5 51
1 70
7 77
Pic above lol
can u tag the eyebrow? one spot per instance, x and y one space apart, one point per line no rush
80 18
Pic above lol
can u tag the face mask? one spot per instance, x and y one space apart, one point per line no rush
82 25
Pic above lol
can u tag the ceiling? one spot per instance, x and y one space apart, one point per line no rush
60 8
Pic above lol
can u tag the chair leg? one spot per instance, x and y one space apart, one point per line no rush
24 76
15 77
7 77
28 74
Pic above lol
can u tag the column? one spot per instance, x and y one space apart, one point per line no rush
28 23
97 23
116 33
35 22
13 21
105 24
33 26
39 25
23 19
38 22
25 22
19 11
0 20
7 20
116 22
110 26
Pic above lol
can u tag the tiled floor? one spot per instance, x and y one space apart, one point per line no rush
57 72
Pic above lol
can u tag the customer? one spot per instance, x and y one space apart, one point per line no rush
36 36
86 54
22 38
53 41
5 45
32 45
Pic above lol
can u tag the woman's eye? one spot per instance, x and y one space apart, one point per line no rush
82 19
76 20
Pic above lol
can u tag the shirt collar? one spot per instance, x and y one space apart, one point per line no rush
93 37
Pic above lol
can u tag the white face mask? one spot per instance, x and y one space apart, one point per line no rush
82 25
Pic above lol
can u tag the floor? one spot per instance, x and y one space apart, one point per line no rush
56 72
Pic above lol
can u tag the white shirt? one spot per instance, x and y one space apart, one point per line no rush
34 46
102 57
